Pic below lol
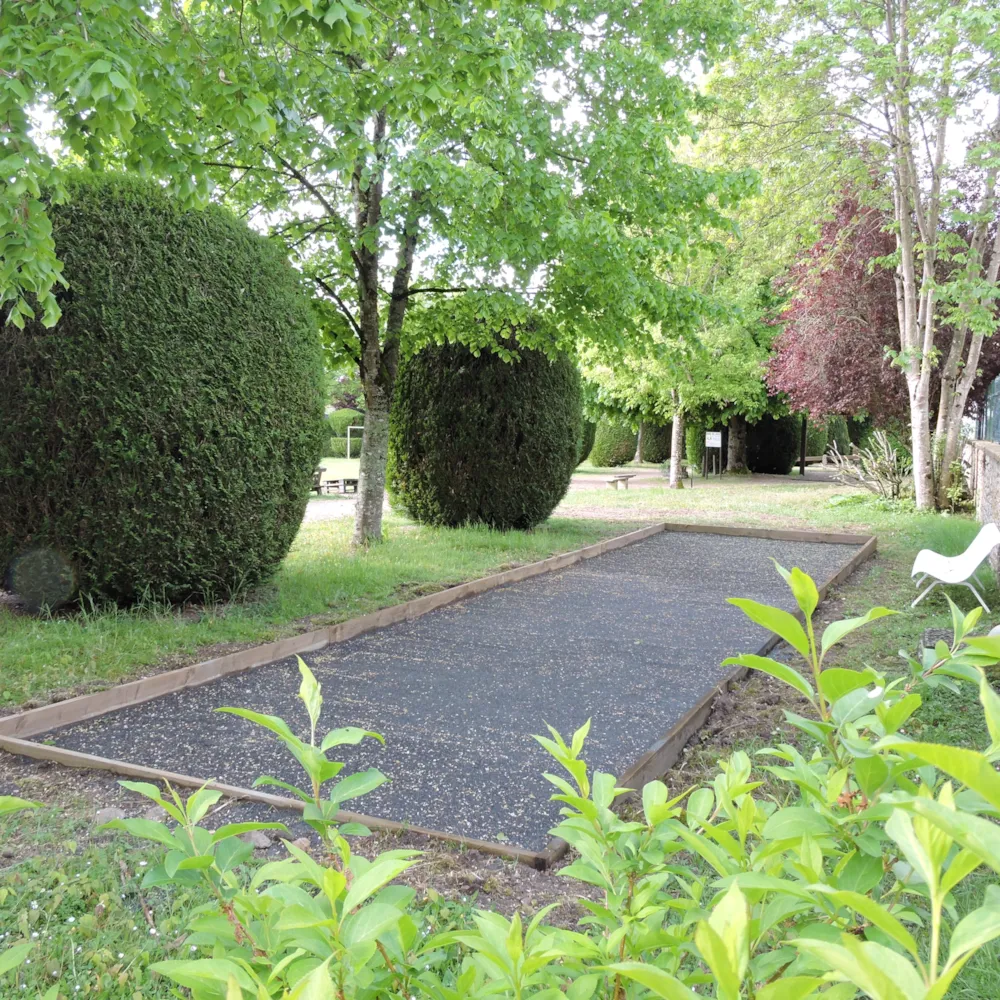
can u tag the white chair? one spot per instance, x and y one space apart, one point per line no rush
956 570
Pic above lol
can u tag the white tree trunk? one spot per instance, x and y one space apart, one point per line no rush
638 446
677 446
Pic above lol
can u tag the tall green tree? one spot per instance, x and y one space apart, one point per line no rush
903 83
520 153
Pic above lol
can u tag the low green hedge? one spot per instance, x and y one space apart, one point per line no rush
656 442
340 420
337 448
614 444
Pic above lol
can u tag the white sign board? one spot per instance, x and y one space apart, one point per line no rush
713 439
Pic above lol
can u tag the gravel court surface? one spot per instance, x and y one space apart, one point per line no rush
632 639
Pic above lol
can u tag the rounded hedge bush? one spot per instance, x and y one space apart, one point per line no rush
340 420
656 442
816 439
587 433
614 444
161 439
773 444
477 440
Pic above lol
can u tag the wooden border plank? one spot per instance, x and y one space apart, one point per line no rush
653 763
74 758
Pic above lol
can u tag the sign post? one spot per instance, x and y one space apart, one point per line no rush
713 440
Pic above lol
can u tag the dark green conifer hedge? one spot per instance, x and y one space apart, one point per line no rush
477 440
614 444
161 439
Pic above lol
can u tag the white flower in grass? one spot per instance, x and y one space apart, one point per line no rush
71 920
142 864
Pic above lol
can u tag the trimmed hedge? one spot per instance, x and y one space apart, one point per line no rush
614 444
480 440
773 444
588 431
337 447
656 442
694 445
816 439
168 427
340 420
837 430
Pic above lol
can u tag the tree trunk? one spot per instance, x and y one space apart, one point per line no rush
638 446
736 454
920 435
374 453
677 447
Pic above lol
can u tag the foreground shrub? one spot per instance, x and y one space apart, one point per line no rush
481 440
614 444
840 884
165 432
656 442
773 444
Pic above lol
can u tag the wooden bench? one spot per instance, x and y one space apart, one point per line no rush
317 475
623 479
344 485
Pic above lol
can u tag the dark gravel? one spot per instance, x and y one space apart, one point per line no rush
632 639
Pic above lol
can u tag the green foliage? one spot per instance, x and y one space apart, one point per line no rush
479 440
588 432
816 439
656 442
845 884
340 420
337 446
167 429
773 444
837 432
694 444
614 444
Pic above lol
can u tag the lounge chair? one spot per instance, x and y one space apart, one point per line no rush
956 570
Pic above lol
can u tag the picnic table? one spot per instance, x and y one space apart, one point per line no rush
622 478
317 475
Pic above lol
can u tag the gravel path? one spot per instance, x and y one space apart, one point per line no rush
631 638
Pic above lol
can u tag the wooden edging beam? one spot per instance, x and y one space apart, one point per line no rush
15 729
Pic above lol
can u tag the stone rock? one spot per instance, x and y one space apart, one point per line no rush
156 813
302 843
257 838
108 814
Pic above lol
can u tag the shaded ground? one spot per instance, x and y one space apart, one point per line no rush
632 639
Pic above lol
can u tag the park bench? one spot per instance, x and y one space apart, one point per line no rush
317 476
623 479
343 485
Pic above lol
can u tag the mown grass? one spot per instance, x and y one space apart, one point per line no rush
322 579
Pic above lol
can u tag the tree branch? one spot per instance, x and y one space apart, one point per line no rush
340 303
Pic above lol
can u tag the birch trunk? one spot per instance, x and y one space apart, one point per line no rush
638 447
677 446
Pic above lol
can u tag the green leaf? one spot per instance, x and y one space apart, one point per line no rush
790 988
877 971
382 870
871 774
978 835
897 714
967 766
835 682
357 784
13 957
990 701
369 923
781 671
317 985
802 587
144 829
200 972
197 862
349 736
978 927
200 802
660 982
836 631
309 690
874 913
776 620
794 822
11 803
235 829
